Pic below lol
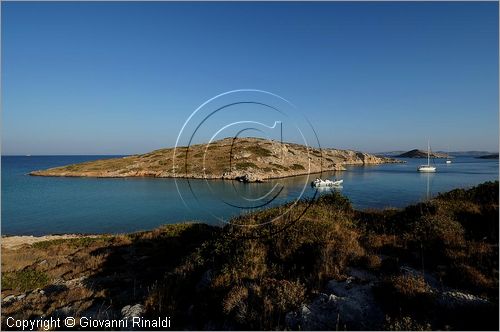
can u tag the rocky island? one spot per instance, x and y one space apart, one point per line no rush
416 153
248 159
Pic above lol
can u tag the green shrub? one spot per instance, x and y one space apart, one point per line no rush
245 165
279 166
259 151
76 242
24 280
297 167
337 200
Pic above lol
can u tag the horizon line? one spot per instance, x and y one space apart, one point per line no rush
132 154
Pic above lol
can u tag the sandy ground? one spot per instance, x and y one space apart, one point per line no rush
15 242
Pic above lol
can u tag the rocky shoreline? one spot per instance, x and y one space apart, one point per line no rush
242 159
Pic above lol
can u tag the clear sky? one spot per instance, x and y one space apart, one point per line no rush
120 78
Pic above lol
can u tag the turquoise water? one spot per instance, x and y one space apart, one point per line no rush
40 205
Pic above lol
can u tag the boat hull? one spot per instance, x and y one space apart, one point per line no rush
326 183
426 169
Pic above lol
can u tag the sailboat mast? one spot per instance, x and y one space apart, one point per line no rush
428 153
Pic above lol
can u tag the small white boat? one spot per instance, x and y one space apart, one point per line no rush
326 183
427 168
448 159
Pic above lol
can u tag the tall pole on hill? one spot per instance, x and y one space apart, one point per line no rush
281 132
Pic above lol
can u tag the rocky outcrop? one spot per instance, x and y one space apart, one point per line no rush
242 159
247 178
345 305
129 312
351 304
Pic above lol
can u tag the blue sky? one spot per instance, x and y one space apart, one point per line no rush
120 78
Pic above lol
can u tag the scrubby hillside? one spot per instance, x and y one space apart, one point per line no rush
252 158
432 265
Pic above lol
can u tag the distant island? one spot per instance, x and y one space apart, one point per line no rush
244 159
489 156
470 153
422 154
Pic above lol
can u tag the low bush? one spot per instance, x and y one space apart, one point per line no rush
245 165
259 151
297 167
24 280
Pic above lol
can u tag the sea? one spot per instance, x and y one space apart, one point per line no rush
32 205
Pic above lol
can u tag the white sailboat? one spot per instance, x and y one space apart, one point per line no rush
326 183
427 168
448 160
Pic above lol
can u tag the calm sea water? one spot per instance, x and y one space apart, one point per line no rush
41 205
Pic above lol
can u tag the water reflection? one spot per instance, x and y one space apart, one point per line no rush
427 177
323 190
222 199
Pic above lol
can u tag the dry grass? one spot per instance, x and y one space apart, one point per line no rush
251 277
406 323
410 285
88 273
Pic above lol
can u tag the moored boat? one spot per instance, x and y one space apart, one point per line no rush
326 183
427 168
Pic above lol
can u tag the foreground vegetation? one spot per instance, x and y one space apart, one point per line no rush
433 265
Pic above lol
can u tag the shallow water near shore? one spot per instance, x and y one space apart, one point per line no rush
45 205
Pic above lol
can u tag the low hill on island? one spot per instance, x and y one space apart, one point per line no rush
489 156
422 154
248 159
